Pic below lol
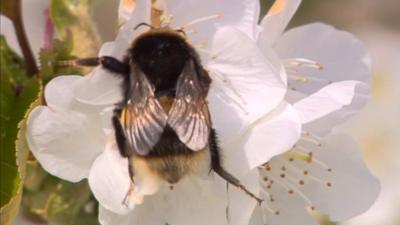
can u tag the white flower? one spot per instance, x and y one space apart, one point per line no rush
70 138
327 73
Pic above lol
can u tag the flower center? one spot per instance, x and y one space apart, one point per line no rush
291 172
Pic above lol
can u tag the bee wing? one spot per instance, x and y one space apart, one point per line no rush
143 118
189 116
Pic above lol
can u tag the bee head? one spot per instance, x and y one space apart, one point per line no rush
161 53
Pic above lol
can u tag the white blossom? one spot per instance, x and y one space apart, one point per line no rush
72 139
328 73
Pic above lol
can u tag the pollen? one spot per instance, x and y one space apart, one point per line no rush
302 171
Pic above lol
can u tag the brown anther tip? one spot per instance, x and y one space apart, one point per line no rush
277 213
283 168
291 159
305 172
329 184
283 175
265 179
171 187
291 192
301 182
330 170
312 208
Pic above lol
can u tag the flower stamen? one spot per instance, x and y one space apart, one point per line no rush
291 189
312 140
302 62
202 19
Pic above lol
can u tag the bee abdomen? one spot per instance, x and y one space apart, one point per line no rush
171 160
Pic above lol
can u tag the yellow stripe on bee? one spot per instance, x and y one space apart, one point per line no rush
126 117
166 103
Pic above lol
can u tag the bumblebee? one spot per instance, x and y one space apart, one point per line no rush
163 122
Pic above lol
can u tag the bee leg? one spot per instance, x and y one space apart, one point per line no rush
120 137
131 198
217 167
110 63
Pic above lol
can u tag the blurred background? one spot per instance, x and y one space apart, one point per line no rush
376 128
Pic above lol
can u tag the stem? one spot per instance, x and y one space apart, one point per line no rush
23 42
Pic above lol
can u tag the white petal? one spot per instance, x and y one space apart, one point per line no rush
354 189
127 33
341 55
197 202
285 209
107 217
107 48
59 92
241 205
65 142
329 99
273 134
276 20
99 88
192 201
125 9
109 179
7 29
243 14
135 11
348 190
245 84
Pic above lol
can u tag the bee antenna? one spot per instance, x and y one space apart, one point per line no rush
143 24
181 31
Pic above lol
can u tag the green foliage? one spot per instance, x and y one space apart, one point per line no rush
57 201
75 16
61 50
16 95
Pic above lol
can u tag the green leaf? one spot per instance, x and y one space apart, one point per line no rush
61 50
16 95
60 202
75 16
